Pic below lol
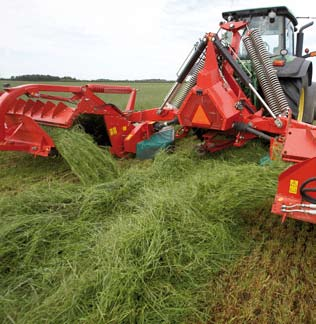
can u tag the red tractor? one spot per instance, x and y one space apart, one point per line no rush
246 81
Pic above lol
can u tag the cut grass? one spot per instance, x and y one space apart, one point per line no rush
89 162
152 242
140 248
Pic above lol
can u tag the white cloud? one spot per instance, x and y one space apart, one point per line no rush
109 39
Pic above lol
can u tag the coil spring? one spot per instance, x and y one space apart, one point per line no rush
187 86
270 71
262 76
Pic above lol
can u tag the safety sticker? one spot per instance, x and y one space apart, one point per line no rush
113 131
200 117
293 186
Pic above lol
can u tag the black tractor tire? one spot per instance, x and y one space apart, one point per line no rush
300 98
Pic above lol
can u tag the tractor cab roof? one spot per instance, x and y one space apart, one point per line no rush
248 13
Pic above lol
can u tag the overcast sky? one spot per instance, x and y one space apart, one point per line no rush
113 39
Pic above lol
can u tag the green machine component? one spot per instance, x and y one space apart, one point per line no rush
158 141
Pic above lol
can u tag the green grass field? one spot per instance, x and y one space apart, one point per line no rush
149 94
180 239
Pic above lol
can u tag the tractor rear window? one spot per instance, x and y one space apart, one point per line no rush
271 32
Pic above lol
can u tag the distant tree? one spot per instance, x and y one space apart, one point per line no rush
41 77
68 78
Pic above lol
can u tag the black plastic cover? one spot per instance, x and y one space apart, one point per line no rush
298 68
247 13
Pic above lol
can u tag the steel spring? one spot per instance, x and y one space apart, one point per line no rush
262 76
265 60
188 85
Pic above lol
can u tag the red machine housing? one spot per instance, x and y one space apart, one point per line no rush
213 103
296 193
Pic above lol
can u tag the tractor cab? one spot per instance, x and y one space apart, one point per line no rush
276 26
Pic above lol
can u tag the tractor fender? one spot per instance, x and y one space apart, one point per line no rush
297 68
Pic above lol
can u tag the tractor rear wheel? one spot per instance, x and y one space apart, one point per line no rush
300 97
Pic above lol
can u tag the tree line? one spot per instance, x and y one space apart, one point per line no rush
47 77
41 77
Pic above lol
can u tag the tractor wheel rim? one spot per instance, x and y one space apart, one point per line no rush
301 106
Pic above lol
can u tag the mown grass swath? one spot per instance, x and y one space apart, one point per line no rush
89 162
137 243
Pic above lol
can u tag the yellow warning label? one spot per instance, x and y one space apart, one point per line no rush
293 186
113 131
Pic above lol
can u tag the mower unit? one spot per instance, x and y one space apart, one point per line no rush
240 83
20 118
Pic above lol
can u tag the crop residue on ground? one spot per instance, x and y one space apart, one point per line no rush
140 246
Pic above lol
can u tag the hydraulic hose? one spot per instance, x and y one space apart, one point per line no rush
305 191
243 127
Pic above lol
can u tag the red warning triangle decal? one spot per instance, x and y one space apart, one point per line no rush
200 117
